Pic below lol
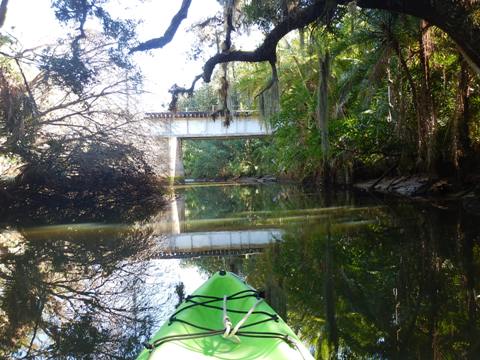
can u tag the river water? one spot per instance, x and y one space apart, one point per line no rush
356 276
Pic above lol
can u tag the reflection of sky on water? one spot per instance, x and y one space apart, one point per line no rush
161 278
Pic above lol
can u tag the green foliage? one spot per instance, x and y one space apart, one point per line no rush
226 158
263 13
377 95
380 105
204 98
68 71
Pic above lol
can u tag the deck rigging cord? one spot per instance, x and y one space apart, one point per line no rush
229 331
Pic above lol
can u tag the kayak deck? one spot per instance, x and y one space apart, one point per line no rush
225 319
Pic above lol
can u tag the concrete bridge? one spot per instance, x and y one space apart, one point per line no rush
200 125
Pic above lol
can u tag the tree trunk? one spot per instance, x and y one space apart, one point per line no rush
452 16
460 134
428 128
321 113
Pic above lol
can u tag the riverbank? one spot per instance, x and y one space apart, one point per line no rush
418 185
245 180
426 188
414 186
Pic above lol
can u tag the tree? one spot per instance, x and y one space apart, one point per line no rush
459 19
81 93
278 18
456 18
79 83
68 118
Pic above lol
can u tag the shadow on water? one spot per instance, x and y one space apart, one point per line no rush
355 277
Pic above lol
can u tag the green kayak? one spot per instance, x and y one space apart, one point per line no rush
224 319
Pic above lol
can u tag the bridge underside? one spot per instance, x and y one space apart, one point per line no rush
175 129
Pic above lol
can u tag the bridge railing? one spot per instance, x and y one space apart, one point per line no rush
197 114
199 125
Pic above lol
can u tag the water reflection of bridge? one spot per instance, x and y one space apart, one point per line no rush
184 239
218 243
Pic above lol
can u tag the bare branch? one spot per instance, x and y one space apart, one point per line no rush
176 91
160 42
27 87
3 12
102 93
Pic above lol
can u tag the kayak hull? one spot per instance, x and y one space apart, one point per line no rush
262 334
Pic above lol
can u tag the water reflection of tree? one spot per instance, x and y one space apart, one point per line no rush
402 287
202 202
71 297
398 289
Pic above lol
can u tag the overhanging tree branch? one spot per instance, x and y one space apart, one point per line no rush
267 50
451 16
160 42
3 12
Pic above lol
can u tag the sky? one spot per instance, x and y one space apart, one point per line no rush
33 23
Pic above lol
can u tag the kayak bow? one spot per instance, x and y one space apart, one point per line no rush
225 319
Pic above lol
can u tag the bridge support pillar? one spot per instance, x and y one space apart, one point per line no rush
177 208
177 172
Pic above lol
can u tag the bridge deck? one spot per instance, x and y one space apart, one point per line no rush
197 114
201 125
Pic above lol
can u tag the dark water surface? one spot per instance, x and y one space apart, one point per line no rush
355 276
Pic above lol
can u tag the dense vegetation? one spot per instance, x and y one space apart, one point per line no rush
372 92
351 90
67 145
226 158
